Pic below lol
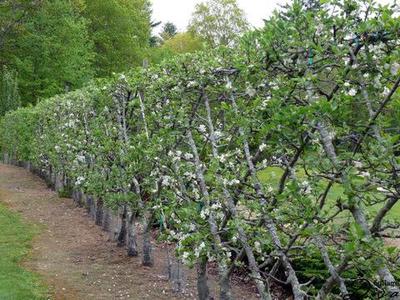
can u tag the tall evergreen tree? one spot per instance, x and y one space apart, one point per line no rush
169 31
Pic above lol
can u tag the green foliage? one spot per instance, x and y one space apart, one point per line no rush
120 30
218 22
53 51
15 243
276 106
58 46
169 31
17 133
9 94
183 43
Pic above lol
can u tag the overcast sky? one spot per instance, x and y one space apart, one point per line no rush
180 11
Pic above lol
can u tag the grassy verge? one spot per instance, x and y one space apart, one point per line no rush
272 175
16 283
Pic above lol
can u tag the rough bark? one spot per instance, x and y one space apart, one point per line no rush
147 247
202 286
132 236
99 212
121 239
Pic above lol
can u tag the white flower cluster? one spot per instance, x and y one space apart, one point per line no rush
257 246
188 156
167 181
216 206
232 182
250 91
217 134
306 187
264 103
81 158
79 180
190 175
223 157
198 249
262 147
204 213
352 92
377 81
202 128
176 156
192 84
394 69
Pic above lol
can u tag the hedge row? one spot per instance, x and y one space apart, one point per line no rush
278 156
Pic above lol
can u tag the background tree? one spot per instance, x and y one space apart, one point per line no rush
218 22
169 31
184 42
9 95
52 52
120 30
12 15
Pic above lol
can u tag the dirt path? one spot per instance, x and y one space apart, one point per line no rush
75 257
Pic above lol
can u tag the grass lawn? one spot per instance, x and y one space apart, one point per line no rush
272 175
16 283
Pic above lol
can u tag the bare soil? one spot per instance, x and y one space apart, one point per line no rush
77 259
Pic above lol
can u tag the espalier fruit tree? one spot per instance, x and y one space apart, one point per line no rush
280 157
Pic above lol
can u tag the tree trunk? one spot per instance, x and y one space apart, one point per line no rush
147 248
99 212
202 286
106 219
121 240
176 275
132 238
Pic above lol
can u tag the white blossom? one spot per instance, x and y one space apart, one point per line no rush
381 189
217 134
234 182
395 69
81 158
262 147
251 91
166 180
202 128
188 156
386 91
352 92
222 158
216 206
79 180
257 246
364 174
204 213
